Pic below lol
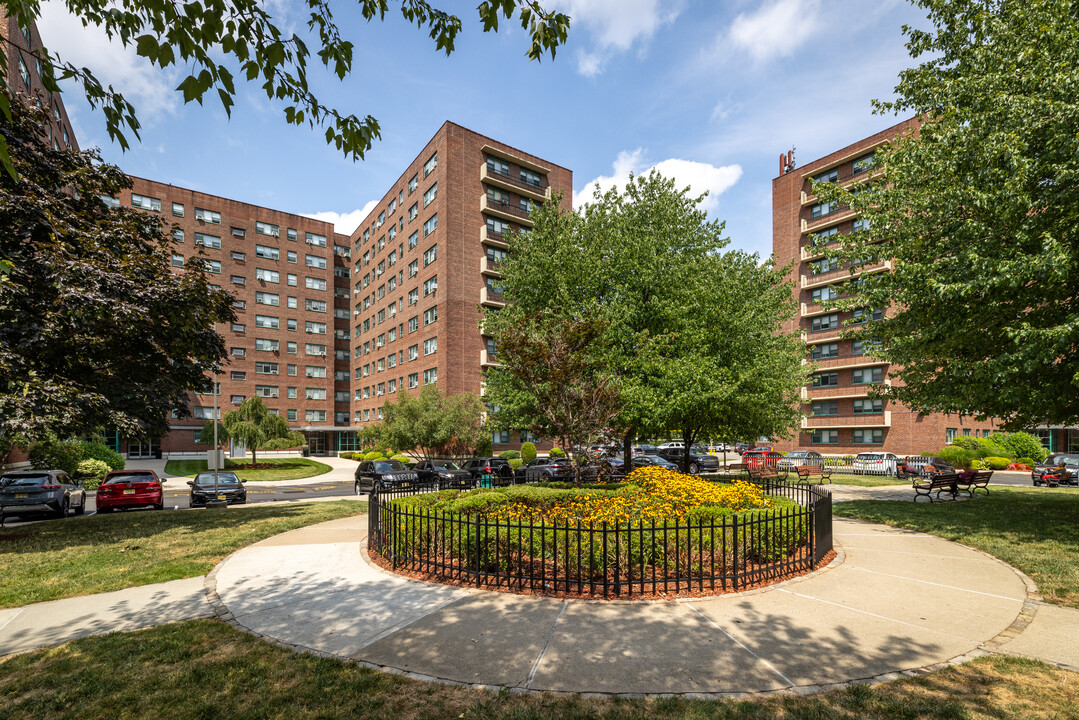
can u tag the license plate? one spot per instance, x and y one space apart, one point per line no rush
129 492
404 484
21 495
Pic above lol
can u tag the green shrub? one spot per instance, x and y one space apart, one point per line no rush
1028 461
293 440
978 465
374 455
997 463
510 455
557 452
54 454
957 456
967 442
1022 445
404 459
528 452
91 472
102 452
516 463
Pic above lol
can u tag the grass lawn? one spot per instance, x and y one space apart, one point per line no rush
205 669
867 480
60 559
283 468
1033 529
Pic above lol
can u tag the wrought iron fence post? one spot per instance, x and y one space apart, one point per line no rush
734 556
477 563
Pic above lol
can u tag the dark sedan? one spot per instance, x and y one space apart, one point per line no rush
699 461
230 488
41 491
1071 465
648 460
448 475
546 470
385 474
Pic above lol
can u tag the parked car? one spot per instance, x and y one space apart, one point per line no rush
657 460
497 467
939 465
27 492
545 470
671 444
386 474
801 457
230 488
131 488
876 463
643 449
741 448
761 453
1071 462
699 459
446 473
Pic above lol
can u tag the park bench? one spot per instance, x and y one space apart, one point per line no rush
734 470
980 480
944 482
765 471
806 472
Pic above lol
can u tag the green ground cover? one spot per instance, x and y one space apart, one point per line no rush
101 553
283 468
206 669
1033 529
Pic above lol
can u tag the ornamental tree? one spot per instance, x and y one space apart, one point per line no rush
97 329
979 208
433 423
218 40
251 424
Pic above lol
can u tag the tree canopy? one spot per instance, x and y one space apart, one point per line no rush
251 424
691 331
433 423
97 329
218 41
980 211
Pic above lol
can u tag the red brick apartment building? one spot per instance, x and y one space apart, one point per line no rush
330 327
841 418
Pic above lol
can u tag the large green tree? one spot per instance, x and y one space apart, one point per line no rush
97 329
433 423
980 211
691 335
217 40
251 424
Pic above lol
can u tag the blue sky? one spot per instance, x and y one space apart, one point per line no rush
710 92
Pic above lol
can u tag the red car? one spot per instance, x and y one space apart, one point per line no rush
130 488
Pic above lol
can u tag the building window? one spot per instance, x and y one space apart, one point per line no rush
868 437
825 351
314 283
430 165
500 437
430 255
431 224
828 176
290 233
237 375
177 260
859 225
314 261
413 352
267 321
430 195
825 407
238 280
414 324
315 393
868 406
214 266
821 209
209 216
314 415
498 165
267 252
413 296
317 328
825 237
290 370
862 315
266 368
865 376
290 324
314 349
823 295
238 232
863 164
495 255
825 437
178 234
430 315
413 380
825 322
315 305
267 391
268 345
204 413
825 379
290 256
290 279
430 376
146 203
290 415
265 298
531 178
291 302
267 275
430 346
314 371
313 239
413 268
238 328
290 347
413 239
822 266
430 285
263 228
210 241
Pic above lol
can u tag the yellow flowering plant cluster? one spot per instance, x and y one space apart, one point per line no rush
652 494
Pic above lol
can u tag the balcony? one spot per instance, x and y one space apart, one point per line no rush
505 211
489 298
508 182
846 360
824 221
846 180
866 420
834 276
489 267
812 309
814 338
838 392
487 359
493 239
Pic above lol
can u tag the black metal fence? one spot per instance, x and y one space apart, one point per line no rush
723 554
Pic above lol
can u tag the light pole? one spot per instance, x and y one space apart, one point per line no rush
217 452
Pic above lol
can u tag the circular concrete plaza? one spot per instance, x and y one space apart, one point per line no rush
894 601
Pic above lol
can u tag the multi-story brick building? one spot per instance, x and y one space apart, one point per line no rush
426 262
840 417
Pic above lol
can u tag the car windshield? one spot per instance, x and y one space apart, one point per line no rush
448 466
388 466
797 454
137 477
869 456
207 478
656 459
24 480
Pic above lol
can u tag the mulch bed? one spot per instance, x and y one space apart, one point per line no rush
670 594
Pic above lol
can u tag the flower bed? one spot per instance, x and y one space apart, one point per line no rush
657 533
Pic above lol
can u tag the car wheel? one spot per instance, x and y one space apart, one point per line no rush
159 506
356 488
694 469
82 506
104 510
64 507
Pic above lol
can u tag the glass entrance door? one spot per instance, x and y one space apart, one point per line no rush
142 449
317 442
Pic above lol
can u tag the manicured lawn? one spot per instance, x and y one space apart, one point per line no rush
283 468
867 480
60 559
1033 529
205 669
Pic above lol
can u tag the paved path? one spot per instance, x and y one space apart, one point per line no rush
897 601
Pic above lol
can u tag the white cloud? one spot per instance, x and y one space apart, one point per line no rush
775 30
145 86
698 176
344 223
615 26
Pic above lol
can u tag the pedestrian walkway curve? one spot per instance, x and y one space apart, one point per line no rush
894 602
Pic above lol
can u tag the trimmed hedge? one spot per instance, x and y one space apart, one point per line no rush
528 452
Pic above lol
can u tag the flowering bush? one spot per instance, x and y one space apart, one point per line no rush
1022 467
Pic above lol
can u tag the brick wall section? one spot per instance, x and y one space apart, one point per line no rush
58 132
903 432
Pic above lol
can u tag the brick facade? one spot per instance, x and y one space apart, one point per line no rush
837 408
23 76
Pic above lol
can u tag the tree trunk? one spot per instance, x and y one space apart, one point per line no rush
627 452
254 455
687 440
